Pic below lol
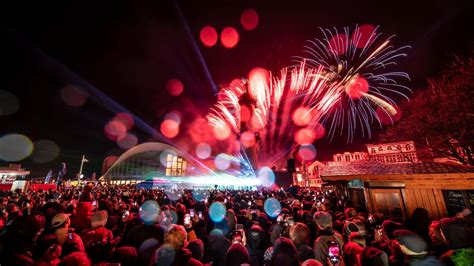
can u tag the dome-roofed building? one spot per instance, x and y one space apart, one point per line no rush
152 160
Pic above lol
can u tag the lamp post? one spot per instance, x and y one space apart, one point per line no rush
83 160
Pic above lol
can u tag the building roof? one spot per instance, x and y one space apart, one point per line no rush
377 168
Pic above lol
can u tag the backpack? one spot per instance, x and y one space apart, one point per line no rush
99 250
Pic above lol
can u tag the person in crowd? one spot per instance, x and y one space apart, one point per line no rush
284 253
458 234
237 255
325 234
374 257
167 226
415 248
354 248
299 234
174 251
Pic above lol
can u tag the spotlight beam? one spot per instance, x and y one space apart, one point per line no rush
195 47
68 76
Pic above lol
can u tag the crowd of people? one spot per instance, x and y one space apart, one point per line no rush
99 224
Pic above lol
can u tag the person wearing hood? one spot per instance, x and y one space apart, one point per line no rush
256 242
415 249
98 240
324 234
299 234
174 251
237 255
458 234
284 253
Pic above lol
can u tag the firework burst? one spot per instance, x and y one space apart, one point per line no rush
336 86
361 62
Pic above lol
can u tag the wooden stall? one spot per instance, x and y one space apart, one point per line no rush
398 189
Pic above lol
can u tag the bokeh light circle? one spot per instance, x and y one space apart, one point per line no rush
272 207
45 151
73 96
115 129
221 132
249 19
229 37
174 115
15 147
208 36
266 176
203 151
200 195
302 116
169 128
164 156
125 118
248 139
307 152
149 211
357 87
222 161
363 36
319 131
174 87
217 212
128 141
305 135
9 103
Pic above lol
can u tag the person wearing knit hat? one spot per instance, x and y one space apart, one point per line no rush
324 234
237 255
98 240
415 248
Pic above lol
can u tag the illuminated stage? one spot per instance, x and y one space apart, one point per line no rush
225 181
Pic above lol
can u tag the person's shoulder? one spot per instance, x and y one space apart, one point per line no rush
194 262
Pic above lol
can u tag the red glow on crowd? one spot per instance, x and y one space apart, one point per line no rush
169 128
385 118
364 36
174 87
339 44
229 37
249 19
208 36
302 116
357 87
305 135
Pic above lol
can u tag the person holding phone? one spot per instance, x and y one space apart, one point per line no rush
325 235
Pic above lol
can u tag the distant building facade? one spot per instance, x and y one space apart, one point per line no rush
395 152
12 173
350 157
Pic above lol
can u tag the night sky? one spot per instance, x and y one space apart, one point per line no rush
128 50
